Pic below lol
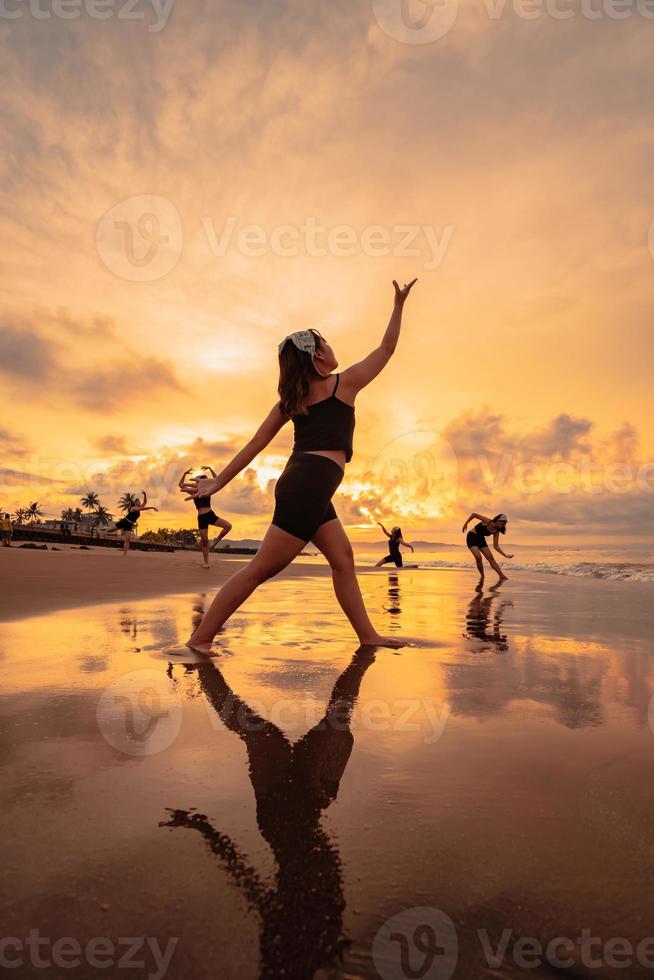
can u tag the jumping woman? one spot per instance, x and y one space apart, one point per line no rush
476 541
321 406
128 523
395 539
207 516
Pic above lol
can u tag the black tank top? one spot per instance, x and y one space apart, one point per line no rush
202 501
133 516
482 529
329 424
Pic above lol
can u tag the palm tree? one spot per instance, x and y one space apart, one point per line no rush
78 515
91 501
127 501
20 516
102 517
34 513
68 514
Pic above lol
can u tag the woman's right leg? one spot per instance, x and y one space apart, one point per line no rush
278 549
488 554
476 554
126 537
333 542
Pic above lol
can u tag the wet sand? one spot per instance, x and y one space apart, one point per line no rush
275 810
35 581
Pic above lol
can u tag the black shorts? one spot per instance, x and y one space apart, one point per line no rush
303 494
474 540
125 525
394 556
204 520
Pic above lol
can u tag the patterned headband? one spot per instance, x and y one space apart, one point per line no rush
303 339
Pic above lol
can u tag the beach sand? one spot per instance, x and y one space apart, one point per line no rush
275 810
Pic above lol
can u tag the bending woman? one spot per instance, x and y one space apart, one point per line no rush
476 541
395 539
321 407
128 524
207 516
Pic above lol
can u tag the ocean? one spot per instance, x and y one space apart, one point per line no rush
616 560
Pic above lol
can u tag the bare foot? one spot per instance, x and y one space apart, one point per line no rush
205 564
503 577
203 648
377 640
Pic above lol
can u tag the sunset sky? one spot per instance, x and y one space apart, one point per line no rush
181 190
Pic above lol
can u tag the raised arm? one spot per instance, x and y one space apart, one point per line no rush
361 374
211 470
383 529
184 475
407 545
266 432
145 498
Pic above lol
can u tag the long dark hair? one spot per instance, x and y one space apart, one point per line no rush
296 371
396 533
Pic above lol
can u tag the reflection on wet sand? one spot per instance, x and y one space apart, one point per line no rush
394 607
478 621
301 916
543 774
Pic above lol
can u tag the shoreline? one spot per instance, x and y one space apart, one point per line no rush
38 582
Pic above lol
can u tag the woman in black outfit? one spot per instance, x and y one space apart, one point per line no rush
206 516
128 524
476 542
395 539
321 406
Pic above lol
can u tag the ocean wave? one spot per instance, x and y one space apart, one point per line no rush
613 571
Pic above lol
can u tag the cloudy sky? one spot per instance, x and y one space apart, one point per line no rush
183 183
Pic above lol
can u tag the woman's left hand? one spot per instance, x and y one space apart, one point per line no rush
193 489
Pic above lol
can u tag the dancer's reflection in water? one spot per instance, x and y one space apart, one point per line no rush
479 624
301 916
128 624
394 607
